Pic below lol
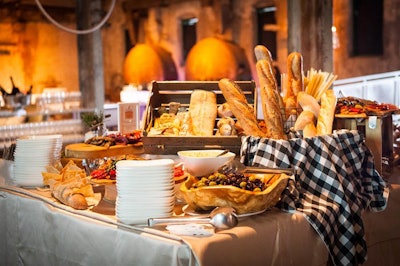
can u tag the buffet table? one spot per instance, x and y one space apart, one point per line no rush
335 200
37 230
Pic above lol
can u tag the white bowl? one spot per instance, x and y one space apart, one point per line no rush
203 162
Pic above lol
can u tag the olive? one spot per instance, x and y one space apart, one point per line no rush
251 183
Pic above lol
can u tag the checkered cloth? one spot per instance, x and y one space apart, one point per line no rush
335 181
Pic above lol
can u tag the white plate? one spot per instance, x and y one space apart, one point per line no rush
166 201
28 183
160 184
133 196
155 164
138 220
143 211
136 186
146 178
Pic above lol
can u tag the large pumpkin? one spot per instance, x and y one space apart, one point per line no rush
145 63
213 59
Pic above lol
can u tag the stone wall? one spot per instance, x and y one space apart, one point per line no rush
39 54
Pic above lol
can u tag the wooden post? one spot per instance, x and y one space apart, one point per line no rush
90 55
309 32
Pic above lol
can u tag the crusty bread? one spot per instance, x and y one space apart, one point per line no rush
327 113
309 130
64 192
261 52
272 104
308 102
295 73
305 117
241 109
203 112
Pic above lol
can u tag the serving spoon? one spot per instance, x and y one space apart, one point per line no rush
220 218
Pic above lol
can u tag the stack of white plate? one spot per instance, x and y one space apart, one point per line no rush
145 189
32 155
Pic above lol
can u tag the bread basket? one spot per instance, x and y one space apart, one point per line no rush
244 201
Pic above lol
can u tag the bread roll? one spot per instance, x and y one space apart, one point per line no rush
308 102
326 113
305 117
224 110
203 112
241 109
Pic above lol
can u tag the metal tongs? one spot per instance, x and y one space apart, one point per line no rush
235 166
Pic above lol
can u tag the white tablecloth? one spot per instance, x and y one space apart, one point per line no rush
39 231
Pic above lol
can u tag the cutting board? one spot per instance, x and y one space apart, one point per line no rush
88 151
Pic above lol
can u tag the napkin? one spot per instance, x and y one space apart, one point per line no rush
335 181
191 229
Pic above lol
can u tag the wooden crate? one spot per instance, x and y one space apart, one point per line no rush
164 92
378 131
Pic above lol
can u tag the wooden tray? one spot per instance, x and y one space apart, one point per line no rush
88 151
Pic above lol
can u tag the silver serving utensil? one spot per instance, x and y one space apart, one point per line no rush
220 218
235 166
222 153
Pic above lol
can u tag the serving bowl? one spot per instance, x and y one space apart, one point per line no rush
203 162
243 201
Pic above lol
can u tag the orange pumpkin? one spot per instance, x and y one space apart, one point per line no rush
213 59
145 63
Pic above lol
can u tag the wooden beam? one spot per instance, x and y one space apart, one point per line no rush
90 55
309 32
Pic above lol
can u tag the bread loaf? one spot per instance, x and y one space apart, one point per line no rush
326 113
203 112
241 109
305 117
295 74
262 53
308 102
309 130
272 104
65 193
273 120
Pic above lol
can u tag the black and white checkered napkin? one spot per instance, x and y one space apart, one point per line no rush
335 181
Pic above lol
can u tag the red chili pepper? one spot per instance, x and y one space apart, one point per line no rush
355 110
98 174
113 174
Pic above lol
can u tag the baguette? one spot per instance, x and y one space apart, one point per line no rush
308 102
203 112
266 75
327 112
295 74
271 104
241 109
262 53
273 121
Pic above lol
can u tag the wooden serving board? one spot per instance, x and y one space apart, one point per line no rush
363 115
88 151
